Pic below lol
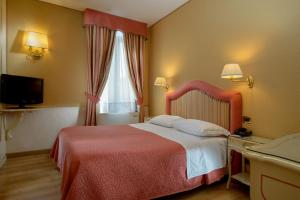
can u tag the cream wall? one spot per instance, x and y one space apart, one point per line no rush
196 41
63 67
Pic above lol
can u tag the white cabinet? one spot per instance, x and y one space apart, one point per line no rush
2 148
2 69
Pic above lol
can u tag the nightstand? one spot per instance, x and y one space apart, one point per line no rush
239 144
147 119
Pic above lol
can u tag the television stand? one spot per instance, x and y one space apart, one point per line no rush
21 107
19 113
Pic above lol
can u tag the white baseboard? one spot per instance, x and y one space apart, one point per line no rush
2 161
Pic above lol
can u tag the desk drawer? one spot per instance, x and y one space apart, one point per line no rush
236 143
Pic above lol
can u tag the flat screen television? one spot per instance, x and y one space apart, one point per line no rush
21 90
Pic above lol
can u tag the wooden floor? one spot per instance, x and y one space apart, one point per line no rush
35 178
29 178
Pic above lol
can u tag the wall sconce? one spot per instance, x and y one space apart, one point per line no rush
234 72
161 82
37 43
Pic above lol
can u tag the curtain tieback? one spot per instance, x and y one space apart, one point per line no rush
139 101
92 98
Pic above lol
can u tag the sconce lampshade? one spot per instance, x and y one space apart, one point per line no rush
232 71
38 40
161 81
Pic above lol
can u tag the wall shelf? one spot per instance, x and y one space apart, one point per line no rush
16 109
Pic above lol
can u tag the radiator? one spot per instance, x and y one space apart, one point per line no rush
124 118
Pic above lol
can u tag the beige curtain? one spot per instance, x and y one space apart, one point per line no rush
135 49
100 47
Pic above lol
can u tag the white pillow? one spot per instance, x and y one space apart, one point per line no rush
200 128
164 120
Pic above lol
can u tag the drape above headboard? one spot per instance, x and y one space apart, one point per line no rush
201 100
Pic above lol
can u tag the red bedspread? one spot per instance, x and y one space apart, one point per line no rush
121 162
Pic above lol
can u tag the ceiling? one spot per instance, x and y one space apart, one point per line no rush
148 11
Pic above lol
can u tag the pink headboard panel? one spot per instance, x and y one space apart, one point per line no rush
234 99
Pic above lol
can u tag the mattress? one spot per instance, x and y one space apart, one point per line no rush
203 154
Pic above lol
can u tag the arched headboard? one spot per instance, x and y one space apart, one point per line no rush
201 100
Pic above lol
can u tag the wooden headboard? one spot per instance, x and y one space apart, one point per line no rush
201 100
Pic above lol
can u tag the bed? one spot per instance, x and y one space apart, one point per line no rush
145 161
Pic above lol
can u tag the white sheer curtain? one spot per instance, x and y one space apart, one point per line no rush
118 95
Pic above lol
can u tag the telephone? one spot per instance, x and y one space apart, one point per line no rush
243 132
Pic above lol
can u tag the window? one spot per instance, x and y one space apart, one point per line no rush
118 95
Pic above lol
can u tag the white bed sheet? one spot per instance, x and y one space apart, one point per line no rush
203 154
